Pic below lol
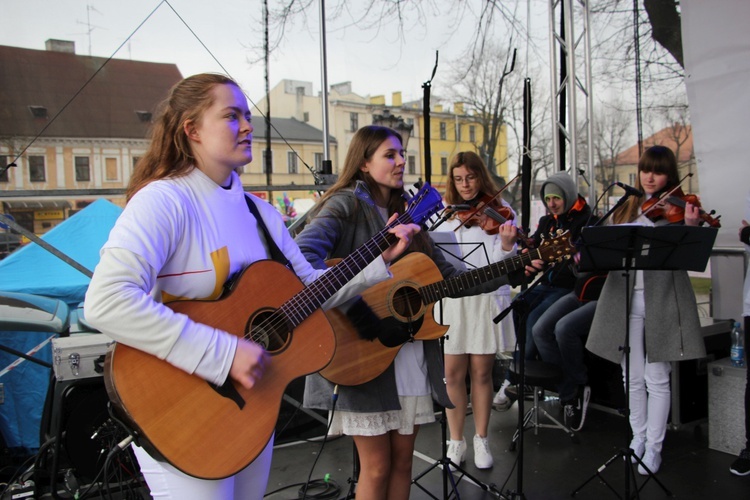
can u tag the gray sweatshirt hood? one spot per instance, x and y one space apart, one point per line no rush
566 185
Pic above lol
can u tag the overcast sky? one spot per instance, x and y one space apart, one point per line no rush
375 62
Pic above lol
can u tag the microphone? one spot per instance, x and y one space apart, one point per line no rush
629 189
449 210
458 207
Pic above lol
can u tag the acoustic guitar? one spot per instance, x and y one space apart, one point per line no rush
210 431
404 304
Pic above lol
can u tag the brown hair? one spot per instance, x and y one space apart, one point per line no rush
170 153
364 143
475 165
657 159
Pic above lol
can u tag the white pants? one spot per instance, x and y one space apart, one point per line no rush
650 396
166 482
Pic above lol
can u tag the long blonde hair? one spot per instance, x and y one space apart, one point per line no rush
170 153
657 159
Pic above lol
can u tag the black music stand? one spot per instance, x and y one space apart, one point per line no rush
630 247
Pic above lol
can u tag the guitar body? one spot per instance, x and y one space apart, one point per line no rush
211 432
395 301
399 304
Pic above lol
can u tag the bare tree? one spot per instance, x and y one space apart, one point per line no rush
478 81
611 130
397 18
666 26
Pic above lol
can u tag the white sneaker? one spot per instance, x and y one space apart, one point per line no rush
482 453
652 460
638 445
501 401
456 451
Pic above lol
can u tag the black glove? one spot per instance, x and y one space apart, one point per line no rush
517 278
393 333
364 320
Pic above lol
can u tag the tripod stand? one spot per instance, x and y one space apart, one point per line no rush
629 248
447 465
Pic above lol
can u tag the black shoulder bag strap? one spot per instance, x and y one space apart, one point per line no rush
276 253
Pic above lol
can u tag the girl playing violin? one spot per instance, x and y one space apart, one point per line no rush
663 322
473 340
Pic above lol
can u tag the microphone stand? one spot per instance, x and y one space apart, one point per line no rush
521 307
447 213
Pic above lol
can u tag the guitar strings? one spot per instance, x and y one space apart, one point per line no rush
284 317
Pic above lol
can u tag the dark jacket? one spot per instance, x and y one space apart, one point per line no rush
577 214
347 220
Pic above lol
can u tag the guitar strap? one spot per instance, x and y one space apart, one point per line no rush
276 253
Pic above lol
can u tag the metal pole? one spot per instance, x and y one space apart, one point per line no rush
589 102
268 156
324 89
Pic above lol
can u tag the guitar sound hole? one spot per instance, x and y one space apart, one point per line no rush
407 304
269 329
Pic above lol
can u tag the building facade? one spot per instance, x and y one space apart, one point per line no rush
451 130
71 128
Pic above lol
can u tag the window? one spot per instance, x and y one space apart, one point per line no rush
353 122
472 133
458 132
4 169
38 112
444 165
443 133
110 169
306 116
318 162
136 159
291 162
143 116
267 166
36 169
631 179
83 168
411 163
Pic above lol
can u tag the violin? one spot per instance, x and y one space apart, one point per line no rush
489 215
671 207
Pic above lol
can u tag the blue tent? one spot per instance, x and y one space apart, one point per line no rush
32 269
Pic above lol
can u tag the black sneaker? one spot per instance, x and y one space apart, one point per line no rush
575 411
741 466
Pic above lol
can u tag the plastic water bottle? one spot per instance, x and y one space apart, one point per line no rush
738 346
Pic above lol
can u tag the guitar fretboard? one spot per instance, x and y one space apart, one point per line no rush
464 281
307 301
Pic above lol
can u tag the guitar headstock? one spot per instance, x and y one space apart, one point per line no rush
556 247
422 205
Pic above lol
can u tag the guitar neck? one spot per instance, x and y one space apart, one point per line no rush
313 296
464 281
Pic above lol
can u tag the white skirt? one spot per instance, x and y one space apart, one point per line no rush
415 410
472 330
